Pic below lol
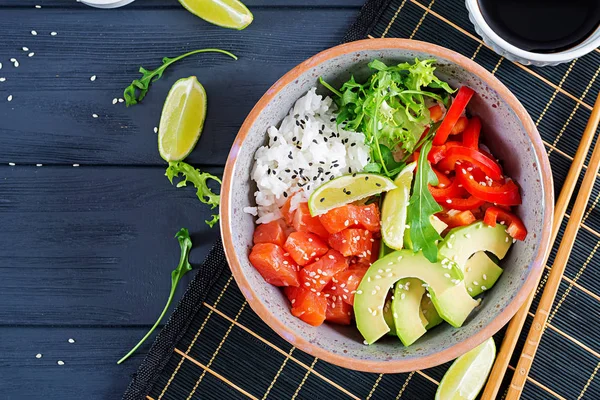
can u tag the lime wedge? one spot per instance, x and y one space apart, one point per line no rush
347 189
393 209
182 119
226 13
468 373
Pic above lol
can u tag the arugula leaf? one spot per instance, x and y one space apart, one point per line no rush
184 266
390 108
422 206
142 85
199 180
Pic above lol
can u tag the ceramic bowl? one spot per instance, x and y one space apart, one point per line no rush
513 53
515 140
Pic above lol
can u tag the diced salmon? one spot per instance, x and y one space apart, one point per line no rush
436 113
318 274
307 305
352 216
460 126
305 247
272 232
344 283
353 242
274 266
288 216
454 218
304 222
338 311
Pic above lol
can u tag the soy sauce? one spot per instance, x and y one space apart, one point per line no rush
542 26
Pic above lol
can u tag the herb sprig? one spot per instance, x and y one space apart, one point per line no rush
185 243
136 92
422 206
200 181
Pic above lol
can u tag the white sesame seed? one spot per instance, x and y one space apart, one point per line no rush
114 101
34 33
38 355
53 34
374 292
93 78
38 165
16 64
368 279
95 115
306 283
449 245
285 262
293 301
346 223
333 287
467 236
76 165
377 276
395 315
402 296
483 288
468 269
310 239
374 313
377 288
380 307
447 275
392 297
407 226
475 283
380 271
0 65
31 54
445 261
38 6
59 362
428 295
407 284
9 98
365 342
326 295
390 275
71 340
121 100
399 258
390 263
484 277
470 289
449 201
359 292
342 285
25 48
506 239
12 164
313 290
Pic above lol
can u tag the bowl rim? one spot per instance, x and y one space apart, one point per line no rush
395 366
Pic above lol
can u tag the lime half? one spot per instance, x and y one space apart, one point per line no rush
226 13
347 189
468 373
182 119
393 209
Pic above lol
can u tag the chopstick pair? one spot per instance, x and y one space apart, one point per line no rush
564 251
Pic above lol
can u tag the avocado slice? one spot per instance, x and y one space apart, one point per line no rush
381 275
406 309
439 225
430 313
481 273
389 319
462 242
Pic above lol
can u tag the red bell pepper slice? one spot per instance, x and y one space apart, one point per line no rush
438 153
471 133
467 204
454 112
505 194
442 194
472 156
457 219
443 180
516 228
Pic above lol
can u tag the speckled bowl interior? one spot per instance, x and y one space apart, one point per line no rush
507 130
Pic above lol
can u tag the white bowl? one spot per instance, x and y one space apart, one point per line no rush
514 53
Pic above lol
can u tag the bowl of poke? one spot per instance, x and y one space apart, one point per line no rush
386 205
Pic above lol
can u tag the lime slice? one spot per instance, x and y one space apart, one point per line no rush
226 13
468 373
347 189
182 119
393 209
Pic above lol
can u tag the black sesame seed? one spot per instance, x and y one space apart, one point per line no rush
322 199
349 170
297 123
348 193
320 132
354 175
352 144
378 184
285 194
290 157
336 165
315 178
310 164
294 176
320 169
268 171
325 139
302 121
315 141
299 147
331 177
323 127
366 178
327 173
275 139
308 187
294 139
322 162
287 170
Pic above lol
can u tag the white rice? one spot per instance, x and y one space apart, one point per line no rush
307 150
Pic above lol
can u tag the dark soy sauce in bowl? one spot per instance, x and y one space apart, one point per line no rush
542 26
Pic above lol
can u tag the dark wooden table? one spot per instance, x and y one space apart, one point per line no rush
86 251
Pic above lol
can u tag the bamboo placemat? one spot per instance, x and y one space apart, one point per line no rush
227 352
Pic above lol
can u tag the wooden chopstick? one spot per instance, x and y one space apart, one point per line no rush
562 256
516 324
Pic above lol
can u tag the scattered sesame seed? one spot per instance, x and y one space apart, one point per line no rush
121 100
506 239
447 275
374 313
12 164
402 296
34 33
115 100
484 277
95 115
38 165
468 269
407 226
38 355
428 295
53 33
71 340
365 342
9 98
0 65
38 6
470 289
76 165
31 54
306 283
25 48
483 288
467 236
377 288
359 292
449 201
377 276
374 292
475 283
59 362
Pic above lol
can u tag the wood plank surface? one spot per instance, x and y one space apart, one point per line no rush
49 119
